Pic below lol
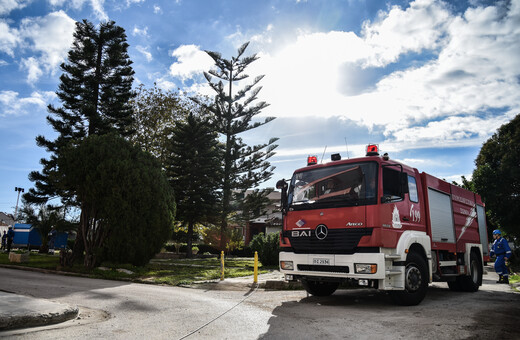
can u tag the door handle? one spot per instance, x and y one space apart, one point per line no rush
406 219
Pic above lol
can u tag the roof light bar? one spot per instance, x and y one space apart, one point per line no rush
372 150
312 160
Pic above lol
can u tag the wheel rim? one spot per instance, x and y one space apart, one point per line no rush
413 278
474 271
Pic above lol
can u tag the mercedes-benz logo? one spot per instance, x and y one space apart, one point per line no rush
321 231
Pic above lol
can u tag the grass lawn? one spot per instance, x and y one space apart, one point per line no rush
170 272
514 279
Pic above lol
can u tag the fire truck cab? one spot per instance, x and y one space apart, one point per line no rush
381 224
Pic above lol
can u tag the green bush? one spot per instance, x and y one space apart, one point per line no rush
126 199
268 247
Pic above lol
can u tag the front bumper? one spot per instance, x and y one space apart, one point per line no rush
389 275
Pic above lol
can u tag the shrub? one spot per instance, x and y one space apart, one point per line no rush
128 206
267 246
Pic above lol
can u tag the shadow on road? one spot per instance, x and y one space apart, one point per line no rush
362 313
49 286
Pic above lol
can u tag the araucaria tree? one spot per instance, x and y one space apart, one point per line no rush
233 110
194 171
95 89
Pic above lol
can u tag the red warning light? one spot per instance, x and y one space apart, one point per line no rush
312 160
372 150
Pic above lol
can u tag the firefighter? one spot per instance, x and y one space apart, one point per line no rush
501 250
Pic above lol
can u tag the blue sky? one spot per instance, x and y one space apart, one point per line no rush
427 80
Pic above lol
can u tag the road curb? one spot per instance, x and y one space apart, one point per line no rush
35 320
19 311
45 271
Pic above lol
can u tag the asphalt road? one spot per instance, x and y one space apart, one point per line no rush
120 310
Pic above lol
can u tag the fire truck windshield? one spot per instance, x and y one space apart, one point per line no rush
338 185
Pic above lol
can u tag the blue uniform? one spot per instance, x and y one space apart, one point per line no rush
10 237
501 249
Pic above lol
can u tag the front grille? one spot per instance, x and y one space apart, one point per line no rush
338 241
319 268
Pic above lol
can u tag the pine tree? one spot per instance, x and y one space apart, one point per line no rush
193 169
243 166
95 89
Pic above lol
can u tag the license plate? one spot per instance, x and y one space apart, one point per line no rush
321 261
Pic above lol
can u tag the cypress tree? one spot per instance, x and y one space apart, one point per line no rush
127 205
243 166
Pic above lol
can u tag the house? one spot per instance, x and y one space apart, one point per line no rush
6 220
271 222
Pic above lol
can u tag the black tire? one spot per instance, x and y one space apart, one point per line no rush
318 288
416 281
455 285
471 282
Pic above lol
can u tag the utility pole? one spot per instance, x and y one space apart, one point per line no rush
16 209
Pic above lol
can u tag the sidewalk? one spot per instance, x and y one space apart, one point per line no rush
271 281
19 311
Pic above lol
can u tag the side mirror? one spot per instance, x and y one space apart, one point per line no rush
281 184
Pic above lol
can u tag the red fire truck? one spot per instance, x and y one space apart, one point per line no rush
381 224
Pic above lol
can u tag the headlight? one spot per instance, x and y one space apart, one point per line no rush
287 265
365 268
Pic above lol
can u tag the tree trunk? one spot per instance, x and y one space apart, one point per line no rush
44 248
189 252
226 199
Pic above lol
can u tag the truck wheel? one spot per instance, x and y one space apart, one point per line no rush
318 288
455 285
471 282
415 281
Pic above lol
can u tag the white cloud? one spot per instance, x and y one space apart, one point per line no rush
9 38
97 7
474 67
190 61
463 66
6 6
11 104
32 66
165 84
138 31
56 3
157 9
145 51
451 130
131 2
457 178
50 37
419 27
3 62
